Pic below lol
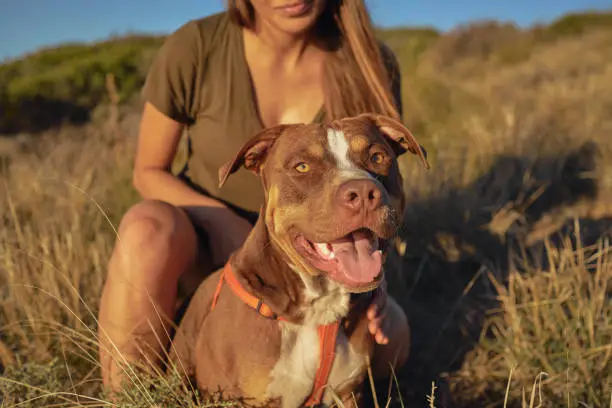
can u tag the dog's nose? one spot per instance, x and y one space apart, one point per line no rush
356 195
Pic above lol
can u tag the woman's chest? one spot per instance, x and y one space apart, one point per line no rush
286 96
287 100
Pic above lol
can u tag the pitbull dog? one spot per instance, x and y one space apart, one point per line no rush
277 326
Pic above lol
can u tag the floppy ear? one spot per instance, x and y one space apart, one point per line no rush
253 153
399 136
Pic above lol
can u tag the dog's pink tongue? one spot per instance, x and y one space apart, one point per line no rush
359 262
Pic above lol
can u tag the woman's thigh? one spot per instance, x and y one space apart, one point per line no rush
201 268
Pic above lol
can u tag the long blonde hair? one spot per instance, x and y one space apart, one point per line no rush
356 75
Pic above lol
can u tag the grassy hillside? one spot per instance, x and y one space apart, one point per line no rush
505 269
66 83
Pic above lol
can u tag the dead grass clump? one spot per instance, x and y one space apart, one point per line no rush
557 322
54 245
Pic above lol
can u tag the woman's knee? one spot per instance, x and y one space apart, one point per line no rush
155 238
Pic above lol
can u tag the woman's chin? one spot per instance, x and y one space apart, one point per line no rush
296 26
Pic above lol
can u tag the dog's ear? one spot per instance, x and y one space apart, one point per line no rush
399 136
253 153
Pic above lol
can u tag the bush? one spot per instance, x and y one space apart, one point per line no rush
67 82
575 24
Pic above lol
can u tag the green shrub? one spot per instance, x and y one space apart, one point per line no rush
52 83
575 24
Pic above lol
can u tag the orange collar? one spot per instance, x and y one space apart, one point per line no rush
327 333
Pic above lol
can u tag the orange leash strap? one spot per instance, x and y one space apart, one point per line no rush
327 347
327 333
256 303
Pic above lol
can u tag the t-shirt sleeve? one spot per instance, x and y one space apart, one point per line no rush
395 76
171 84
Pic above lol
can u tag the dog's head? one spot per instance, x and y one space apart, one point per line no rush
334 193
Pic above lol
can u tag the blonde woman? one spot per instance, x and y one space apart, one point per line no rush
224 78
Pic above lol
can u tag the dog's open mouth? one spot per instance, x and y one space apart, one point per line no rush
354 260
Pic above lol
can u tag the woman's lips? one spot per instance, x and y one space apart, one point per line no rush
295 9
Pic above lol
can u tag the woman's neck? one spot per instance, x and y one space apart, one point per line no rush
283 48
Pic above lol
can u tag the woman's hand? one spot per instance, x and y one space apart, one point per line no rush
378 325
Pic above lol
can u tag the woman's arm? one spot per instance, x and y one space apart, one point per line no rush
158 140
172 94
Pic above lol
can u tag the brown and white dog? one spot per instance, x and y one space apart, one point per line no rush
277 326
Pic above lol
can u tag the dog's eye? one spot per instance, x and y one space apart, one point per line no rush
377 158
302 167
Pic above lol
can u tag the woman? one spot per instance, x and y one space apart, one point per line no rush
224 78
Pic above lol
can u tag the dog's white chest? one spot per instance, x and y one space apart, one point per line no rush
293 376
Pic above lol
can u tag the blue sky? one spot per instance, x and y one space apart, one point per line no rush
26 25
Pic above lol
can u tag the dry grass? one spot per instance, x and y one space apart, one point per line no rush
521 153
556 320
55 244
499 281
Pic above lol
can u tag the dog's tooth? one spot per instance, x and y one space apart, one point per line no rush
323 249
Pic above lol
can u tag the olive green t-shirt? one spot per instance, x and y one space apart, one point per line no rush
200 78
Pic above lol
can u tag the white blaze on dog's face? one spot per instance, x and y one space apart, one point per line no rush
338 145
334 194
